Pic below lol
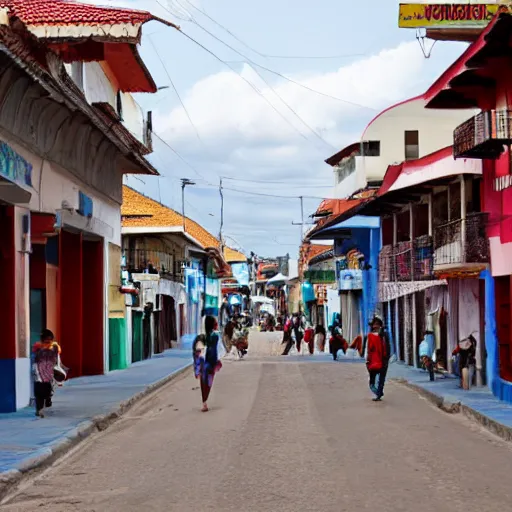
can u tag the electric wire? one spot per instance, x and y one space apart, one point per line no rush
174 87
265 55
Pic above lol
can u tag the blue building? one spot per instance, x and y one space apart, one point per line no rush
356 250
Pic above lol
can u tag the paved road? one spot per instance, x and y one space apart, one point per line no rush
282 435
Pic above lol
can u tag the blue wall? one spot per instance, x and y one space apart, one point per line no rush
367 240
500 388
7 385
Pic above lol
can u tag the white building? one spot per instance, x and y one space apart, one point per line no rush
405 131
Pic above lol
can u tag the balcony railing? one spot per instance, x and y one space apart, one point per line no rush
483 135
407 261
462 241
142 261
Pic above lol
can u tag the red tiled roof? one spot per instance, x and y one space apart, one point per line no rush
64 12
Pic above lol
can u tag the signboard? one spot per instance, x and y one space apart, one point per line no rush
14 167
447 15
320 276
350 279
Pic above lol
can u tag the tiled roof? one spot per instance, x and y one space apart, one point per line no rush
64 12
232 256
141 211
316 250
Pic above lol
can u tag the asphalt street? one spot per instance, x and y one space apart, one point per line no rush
295 433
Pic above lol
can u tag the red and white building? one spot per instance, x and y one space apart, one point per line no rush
69 131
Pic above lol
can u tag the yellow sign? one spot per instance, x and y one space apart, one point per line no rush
447 15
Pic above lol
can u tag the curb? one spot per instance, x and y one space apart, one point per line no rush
493 426
48 455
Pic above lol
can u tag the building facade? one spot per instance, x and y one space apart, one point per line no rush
63 159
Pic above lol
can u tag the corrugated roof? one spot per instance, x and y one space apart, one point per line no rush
139 211
67 12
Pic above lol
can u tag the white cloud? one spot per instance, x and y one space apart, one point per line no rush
244 137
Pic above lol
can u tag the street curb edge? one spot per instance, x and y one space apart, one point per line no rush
49 454
493 426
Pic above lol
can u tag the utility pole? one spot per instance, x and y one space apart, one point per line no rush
221 216
301 223
184 183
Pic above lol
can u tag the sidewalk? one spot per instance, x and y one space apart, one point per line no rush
478 403
81 406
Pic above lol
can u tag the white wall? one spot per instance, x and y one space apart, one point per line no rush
51 185
98 88
435 129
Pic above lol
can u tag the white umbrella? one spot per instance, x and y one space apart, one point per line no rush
278 279
259 299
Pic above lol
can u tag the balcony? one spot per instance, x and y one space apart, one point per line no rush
142 261
484 135
407 261
461 242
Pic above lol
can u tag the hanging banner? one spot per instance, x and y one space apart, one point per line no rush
241 273
447 15
14 167
320 276
350 280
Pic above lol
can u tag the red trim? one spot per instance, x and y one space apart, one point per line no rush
460 65
347 151
395 171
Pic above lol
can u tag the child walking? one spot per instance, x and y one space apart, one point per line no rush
46 356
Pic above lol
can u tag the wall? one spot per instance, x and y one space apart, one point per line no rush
99 88
435 132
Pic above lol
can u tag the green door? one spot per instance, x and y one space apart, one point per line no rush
137 336
117 343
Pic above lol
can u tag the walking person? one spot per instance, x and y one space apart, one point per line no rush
287 337
298 332
45 358
206 358
377 358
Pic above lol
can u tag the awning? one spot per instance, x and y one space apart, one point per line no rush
450 90
391 291
344 229
437 165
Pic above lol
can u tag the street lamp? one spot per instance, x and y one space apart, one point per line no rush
184 183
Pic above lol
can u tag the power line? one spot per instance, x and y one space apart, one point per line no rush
251 85
248 192
174 87
270 182
250 61
265 55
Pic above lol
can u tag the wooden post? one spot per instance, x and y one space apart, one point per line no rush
463 218
411 238
430 216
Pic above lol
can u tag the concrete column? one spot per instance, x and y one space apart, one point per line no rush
414 332
397 331
430 216
463 217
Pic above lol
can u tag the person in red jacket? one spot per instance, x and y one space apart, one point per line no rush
377 357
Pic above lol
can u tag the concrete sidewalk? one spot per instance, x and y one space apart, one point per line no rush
478 403
80 407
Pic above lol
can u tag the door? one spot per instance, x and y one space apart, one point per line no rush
37 315
137 336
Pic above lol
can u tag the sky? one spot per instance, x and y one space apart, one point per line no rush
225 111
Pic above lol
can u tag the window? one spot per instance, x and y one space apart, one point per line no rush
371 148
412 144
